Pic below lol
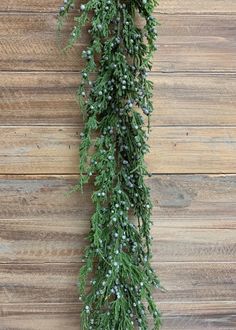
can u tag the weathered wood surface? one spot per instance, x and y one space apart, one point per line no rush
39 241
191 215
181 99
43 231
178 316
192 150
183 201
49 150
166 6
186 43
197 6
56 282
200 316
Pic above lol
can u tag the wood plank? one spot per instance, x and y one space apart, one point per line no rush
167 6
196 43
178 316
196 6
39 150
180 99
39 98
194 219
51 240
30 6
197 281
187 43
56 283
45 150
181 201
215 315
192 150
173 244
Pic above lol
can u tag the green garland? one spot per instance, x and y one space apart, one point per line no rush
118 257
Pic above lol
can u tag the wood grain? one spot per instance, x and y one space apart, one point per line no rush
43 232
183 201
187 99
191 215
180 99
215 315
187 43
39 98
46 150
196 6
39 241
39 150
167 6
192 150
176 316
56 283
196 43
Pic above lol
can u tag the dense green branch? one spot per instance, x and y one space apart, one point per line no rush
119 253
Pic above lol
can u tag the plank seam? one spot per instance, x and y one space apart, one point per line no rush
76 263
156 173
188 72
150 73
81 126
162 13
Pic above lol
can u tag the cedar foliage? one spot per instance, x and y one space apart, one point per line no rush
119 254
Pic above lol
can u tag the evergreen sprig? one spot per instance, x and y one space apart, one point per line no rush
118 257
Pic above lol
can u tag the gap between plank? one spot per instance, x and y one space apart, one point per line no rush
157 12
150 73
189 72
76 174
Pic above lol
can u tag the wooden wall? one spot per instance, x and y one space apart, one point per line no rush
193 159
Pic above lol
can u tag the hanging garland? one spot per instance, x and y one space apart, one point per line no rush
118 257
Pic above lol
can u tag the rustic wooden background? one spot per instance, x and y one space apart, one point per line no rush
193 159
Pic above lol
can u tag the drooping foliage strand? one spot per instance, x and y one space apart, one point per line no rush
115 103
